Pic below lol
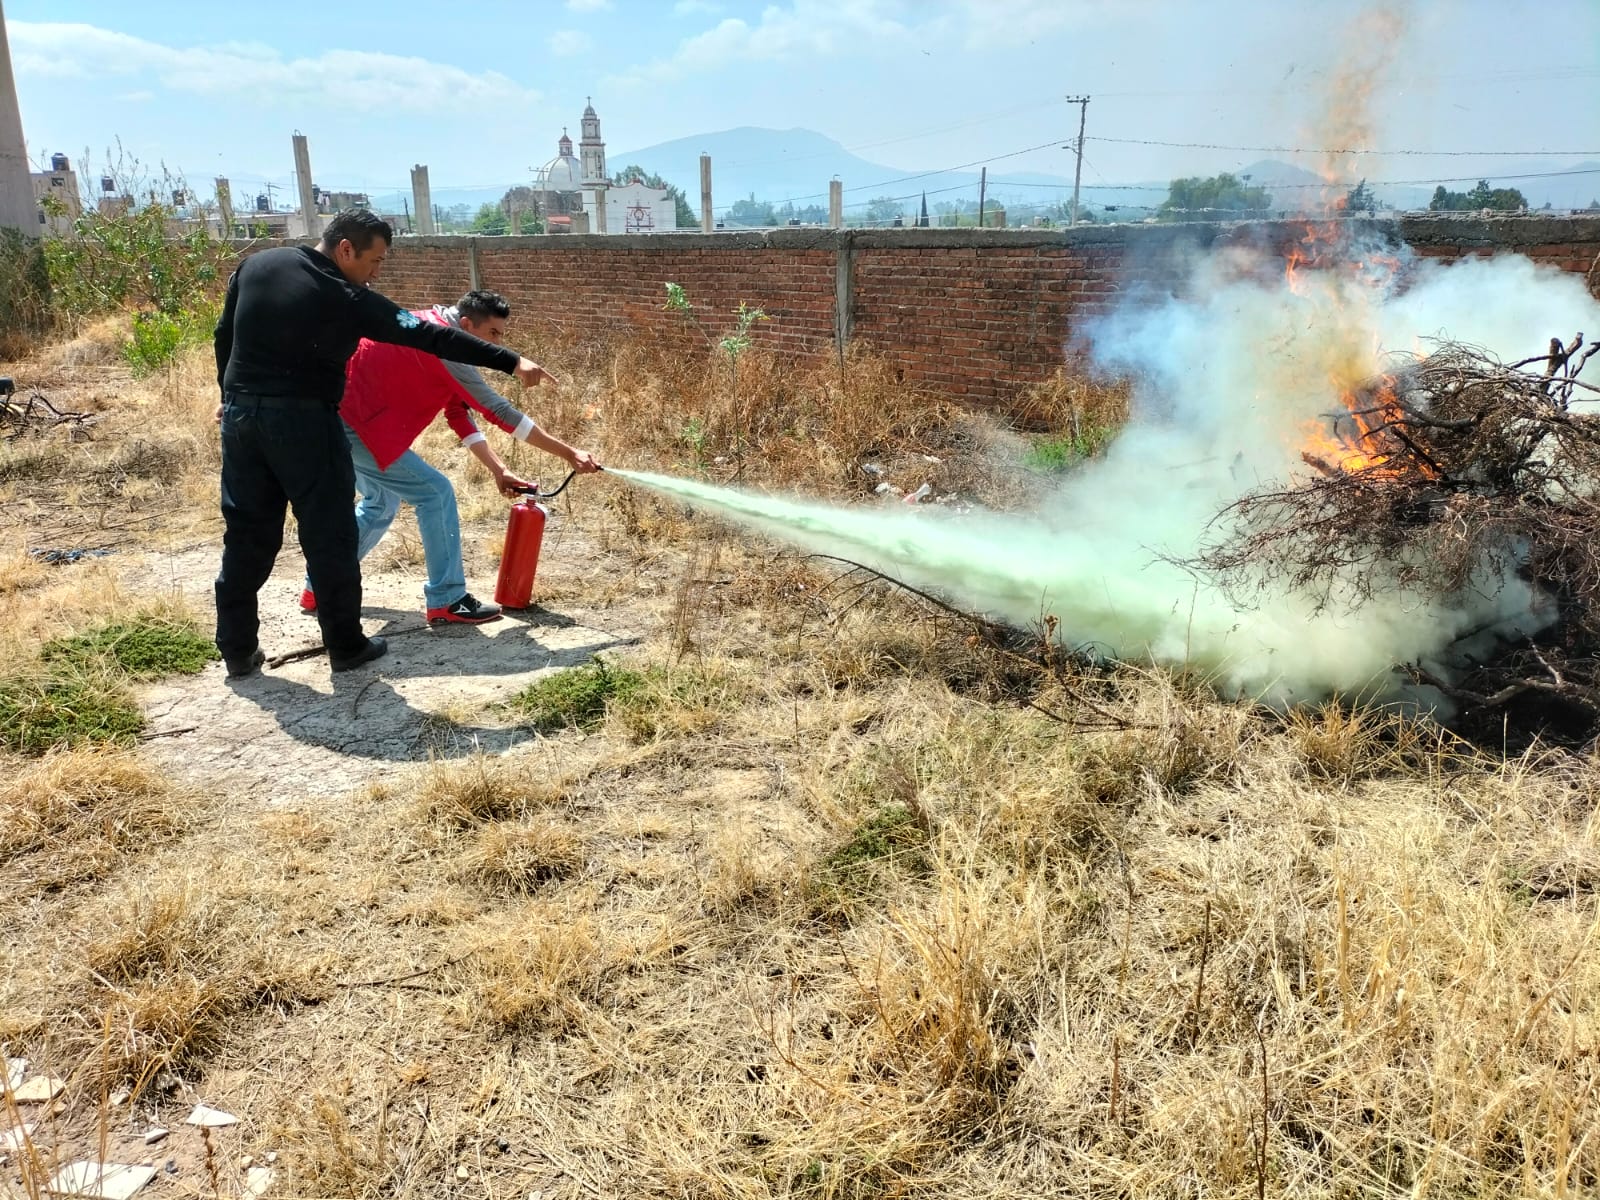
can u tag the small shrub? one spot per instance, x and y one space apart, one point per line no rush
576 698
157 337
24 294
146 647
891 841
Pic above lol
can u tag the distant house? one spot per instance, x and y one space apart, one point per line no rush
60 183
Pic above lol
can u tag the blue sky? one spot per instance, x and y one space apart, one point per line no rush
482 92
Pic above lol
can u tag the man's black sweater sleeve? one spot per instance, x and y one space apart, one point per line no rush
222 339
382 320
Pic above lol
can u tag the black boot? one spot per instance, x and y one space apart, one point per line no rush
376 648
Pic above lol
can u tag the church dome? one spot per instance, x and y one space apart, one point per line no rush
562 173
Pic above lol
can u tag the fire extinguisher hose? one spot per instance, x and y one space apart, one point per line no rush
538 495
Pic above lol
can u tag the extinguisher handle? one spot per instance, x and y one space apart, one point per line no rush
538 495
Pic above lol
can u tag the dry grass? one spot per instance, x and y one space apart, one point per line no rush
76 814
828 903
518 860
483 789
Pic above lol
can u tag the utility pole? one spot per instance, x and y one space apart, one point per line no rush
1077 176
308 204
983 187
423 196
18 209
224 208
705 194
271 205
835 204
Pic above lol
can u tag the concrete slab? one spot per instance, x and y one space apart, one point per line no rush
105 1181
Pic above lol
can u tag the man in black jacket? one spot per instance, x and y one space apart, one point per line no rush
292 318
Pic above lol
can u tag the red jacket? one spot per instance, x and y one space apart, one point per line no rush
392 393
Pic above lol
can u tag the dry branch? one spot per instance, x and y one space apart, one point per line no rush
1462 470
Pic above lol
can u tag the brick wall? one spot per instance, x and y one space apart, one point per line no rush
974 314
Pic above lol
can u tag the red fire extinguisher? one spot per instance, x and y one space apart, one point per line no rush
524 536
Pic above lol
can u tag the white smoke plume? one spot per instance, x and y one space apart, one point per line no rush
1230 382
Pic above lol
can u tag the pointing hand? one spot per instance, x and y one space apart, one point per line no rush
531 374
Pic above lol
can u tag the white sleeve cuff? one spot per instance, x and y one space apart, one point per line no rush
472 439
523 429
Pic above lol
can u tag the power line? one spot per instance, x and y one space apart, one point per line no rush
1311 150
867 187
1276 187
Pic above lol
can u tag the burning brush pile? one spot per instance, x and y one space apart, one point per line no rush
1451 474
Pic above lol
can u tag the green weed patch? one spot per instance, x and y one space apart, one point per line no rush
42 711
146 647
891 842
1063 451
576 698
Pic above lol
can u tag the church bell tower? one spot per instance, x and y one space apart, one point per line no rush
592 150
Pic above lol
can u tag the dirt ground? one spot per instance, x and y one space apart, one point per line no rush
299 731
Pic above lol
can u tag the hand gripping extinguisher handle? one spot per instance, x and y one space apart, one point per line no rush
536 494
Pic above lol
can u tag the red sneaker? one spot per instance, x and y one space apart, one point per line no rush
308 602
466 611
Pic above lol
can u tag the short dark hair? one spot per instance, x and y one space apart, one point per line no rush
480 304
360 227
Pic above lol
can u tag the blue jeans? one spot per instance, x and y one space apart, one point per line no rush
413 481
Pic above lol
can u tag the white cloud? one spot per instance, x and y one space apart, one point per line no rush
568 43
988 24
805 29
687 8
352 79
588 5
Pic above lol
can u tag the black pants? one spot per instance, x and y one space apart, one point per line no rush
278 452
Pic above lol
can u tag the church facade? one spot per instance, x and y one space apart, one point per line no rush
575 193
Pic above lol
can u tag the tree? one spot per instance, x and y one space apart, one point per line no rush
1361 199
686 218
491 220
752 213
1479 198
1220 193
882 210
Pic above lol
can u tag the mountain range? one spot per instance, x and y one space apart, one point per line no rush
796 165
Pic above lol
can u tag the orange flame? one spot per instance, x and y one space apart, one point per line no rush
1361 438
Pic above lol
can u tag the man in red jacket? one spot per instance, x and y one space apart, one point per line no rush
391 395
